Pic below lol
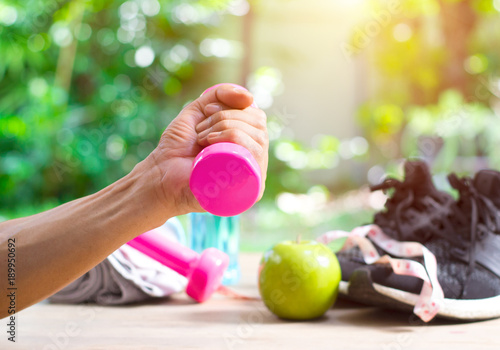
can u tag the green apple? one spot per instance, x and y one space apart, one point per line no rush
299 280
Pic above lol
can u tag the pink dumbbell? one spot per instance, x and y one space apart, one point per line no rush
204 271
225 177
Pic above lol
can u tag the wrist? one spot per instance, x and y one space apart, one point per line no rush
140 197
170 174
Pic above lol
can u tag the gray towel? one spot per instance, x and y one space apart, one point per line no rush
102 285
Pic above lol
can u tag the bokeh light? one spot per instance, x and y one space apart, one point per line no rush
61 35
129 10
476 64
303 204
36 42
8 14
186 13
115 147
376 175
108 93
175 57
402 32
238 7
150 7
144 56
83 31
38 87
218 47
264 84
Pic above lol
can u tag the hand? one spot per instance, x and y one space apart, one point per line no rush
220 115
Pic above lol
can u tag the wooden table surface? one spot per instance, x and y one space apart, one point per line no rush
223 323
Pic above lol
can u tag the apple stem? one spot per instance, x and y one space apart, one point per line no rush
298 239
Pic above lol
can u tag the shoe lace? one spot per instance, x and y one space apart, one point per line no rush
484 215
398 186
405 197
387 184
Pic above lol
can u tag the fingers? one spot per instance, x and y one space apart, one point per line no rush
245 127
238 136
252 116
251 121
258 135
254 140
213 108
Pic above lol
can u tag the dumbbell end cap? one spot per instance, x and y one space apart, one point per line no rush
207 275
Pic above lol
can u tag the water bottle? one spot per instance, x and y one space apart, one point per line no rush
208 230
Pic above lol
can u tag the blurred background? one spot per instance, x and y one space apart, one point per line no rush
351 89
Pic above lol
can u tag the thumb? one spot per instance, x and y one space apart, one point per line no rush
231 95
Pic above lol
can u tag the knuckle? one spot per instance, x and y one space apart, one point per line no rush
223 115
224 124
235 135
262 123
261 138
263 115
258 151
260 118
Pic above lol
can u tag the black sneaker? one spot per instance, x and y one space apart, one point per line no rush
416 211
468 267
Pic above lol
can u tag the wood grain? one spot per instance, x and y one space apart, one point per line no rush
223 323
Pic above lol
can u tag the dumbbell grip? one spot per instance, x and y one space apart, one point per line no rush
169 253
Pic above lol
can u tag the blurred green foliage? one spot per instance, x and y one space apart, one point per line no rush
436 68
87 87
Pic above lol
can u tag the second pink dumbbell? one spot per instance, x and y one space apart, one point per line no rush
204 271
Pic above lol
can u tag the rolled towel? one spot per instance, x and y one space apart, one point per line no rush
127 276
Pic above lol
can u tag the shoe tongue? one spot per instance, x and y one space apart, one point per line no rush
487 182
418 176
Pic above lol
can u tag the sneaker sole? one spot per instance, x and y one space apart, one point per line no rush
364 290
458 309
361 290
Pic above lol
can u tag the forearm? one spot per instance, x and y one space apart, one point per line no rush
55 247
